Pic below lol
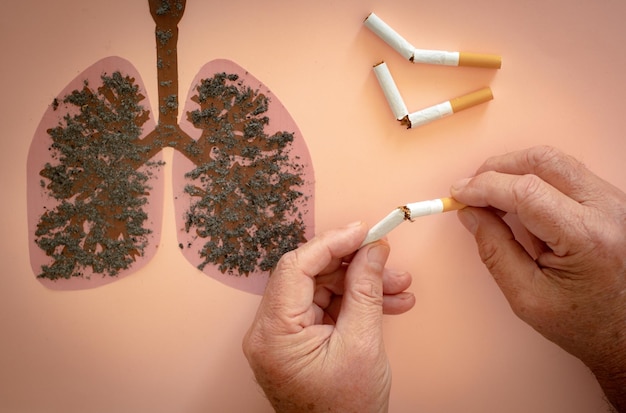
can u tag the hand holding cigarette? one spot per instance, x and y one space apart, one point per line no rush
409 212
325 301
569 282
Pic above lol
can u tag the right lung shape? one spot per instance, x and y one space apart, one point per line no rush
244 189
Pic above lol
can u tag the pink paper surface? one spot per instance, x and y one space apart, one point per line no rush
167 338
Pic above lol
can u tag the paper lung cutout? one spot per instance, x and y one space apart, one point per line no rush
243 177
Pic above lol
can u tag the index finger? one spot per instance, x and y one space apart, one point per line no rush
542 209
563 172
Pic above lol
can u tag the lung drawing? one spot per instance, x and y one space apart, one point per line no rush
242 175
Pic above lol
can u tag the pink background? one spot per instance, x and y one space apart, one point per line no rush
167 338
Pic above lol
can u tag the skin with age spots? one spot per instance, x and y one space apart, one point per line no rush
571 286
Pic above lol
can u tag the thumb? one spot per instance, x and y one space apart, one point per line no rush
509 263
362 305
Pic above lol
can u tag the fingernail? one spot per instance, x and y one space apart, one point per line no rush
469 220
459 185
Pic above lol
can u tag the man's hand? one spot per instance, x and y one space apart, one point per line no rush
571 286
316 342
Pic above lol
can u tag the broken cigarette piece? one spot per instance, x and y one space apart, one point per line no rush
441 110
409 212
435 57
392 94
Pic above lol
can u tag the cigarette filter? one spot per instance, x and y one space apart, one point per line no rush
391 91
441 110
487 61
435 57
409 212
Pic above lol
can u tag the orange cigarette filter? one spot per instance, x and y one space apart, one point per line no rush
451 204
471 99
489 61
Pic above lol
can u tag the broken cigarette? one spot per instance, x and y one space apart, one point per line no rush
441 110
409 212
391 91
435 57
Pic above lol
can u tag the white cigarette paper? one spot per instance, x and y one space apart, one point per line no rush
390 36
435 57
409 212
424 116
392 94
385 226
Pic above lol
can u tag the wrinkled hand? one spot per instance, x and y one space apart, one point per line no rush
572 287
316 342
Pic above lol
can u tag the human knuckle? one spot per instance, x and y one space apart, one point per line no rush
542 155
547 160
527 188
288 261
368 292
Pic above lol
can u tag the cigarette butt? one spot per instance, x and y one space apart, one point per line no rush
471 99
441 110
409 212
392 94
435 57
427 115
488 61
